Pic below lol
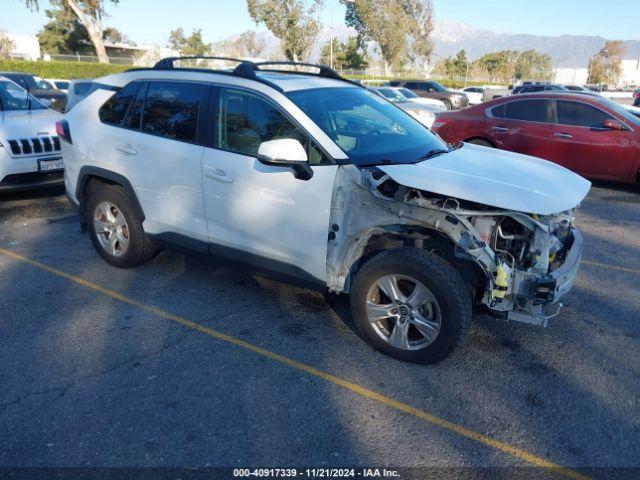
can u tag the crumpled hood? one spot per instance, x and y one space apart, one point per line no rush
497 178
25 124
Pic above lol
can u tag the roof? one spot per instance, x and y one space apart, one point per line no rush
290 82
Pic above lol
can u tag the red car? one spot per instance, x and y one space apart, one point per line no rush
588 134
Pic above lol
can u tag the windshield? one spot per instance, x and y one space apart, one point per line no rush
437 87
13 97
43 84
408 93
369 129
391 94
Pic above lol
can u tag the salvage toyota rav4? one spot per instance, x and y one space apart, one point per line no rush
313 178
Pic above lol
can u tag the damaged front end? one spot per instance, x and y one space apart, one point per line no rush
518 265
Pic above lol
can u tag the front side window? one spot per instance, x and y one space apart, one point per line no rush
369 129
114 110
12 97
171 110
528 110
580 114
246 120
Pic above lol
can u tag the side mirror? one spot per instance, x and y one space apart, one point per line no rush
286 152
611 124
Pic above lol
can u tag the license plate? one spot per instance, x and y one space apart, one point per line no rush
54 165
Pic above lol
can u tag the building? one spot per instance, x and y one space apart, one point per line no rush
26 47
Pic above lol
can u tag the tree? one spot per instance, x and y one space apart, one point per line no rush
401 28
89 13
346 56
534 65
65 34
192 45
7 45
290 21
605 66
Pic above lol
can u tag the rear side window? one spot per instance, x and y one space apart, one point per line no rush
529 110
114 110
171 110
580 114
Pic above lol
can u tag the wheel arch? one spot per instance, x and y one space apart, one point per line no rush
479 137
89 174
409 236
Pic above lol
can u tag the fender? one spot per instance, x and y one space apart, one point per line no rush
88 172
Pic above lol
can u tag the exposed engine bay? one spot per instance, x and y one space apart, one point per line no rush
517 265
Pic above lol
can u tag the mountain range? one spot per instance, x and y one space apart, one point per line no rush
568 51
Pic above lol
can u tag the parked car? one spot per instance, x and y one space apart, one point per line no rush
537 87
588 134
634 110
432 102
78 89
578 88
425 114
496 91
636 98
59 84
430 89
475 94
29 147
39 89
317 179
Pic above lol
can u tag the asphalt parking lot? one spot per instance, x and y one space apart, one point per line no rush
182 363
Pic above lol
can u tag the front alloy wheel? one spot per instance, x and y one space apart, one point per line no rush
403 312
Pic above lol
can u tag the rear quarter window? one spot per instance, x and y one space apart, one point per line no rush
114 110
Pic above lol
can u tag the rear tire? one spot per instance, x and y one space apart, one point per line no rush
481 142
431 316
115 227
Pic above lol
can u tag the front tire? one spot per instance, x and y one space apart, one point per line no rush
411 305
481 142
447 104
115 227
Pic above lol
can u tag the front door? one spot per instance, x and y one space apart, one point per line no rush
263 214
582 144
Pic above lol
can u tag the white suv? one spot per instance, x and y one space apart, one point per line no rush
30 154
315 179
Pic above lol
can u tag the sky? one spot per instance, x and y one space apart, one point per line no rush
150 21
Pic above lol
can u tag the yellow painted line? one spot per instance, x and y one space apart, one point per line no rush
358 389
612 267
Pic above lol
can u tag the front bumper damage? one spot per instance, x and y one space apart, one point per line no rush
538 297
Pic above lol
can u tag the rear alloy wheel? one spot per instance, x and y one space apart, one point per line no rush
411 304
111 229
115 227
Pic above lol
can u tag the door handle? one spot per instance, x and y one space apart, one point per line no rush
562 135
218 175
127 149
500 129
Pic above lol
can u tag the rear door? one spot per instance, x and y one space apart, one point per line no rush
159 148
582 144
522 126
262 213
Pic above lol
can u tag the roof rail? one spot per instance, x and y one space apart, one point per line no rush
248 69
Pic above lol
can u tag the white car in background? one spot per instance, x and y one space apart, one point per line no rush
424 113
433 102
78 89
30 154
59 84
475 94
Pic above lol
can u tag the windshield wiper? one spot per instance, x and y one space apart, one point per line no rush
434 153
